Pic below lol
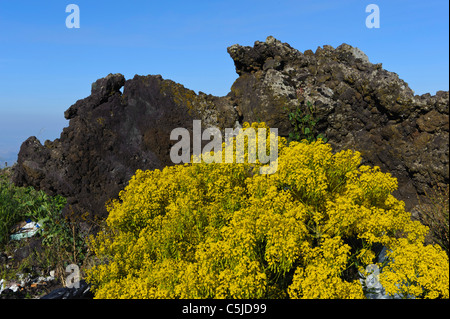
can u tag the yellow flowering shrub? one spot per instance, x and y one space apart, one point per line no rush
226 231
419 271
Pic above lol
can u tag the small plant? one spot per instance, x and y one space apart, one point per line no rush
304 122
21 203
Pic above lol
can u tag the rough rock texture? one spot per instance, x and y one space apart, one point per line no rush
359 106
111 135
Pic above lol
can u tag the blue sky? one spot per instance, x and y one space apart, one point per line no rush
46 67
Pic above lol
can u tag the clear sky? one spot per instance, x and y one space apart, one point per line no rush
45 67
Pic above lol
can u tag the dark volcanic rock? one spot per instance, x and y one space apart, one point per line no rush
111 135
358 104
83 291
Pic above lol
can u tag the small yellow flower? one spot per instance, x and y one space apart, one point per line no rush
225 231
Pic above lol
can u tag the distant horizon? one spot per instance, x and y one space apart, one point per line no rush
47 66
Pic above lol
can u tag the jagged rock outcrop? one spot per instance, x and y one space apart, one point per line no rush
358 105
111 135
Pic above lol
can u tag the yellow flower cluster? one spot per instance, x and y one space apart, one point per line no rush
322 275
418 270
226 231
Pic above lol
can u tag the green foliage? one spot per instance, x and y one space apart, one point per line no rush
62 237
303 121
21 203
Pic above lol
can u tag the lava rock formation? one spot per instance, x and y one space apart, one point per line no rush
358 105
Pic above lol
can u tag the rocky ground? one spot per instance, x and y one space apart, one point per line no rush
27 280
30 279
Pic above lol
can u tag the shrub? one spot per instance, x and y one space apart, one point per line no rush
20 203
226 231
